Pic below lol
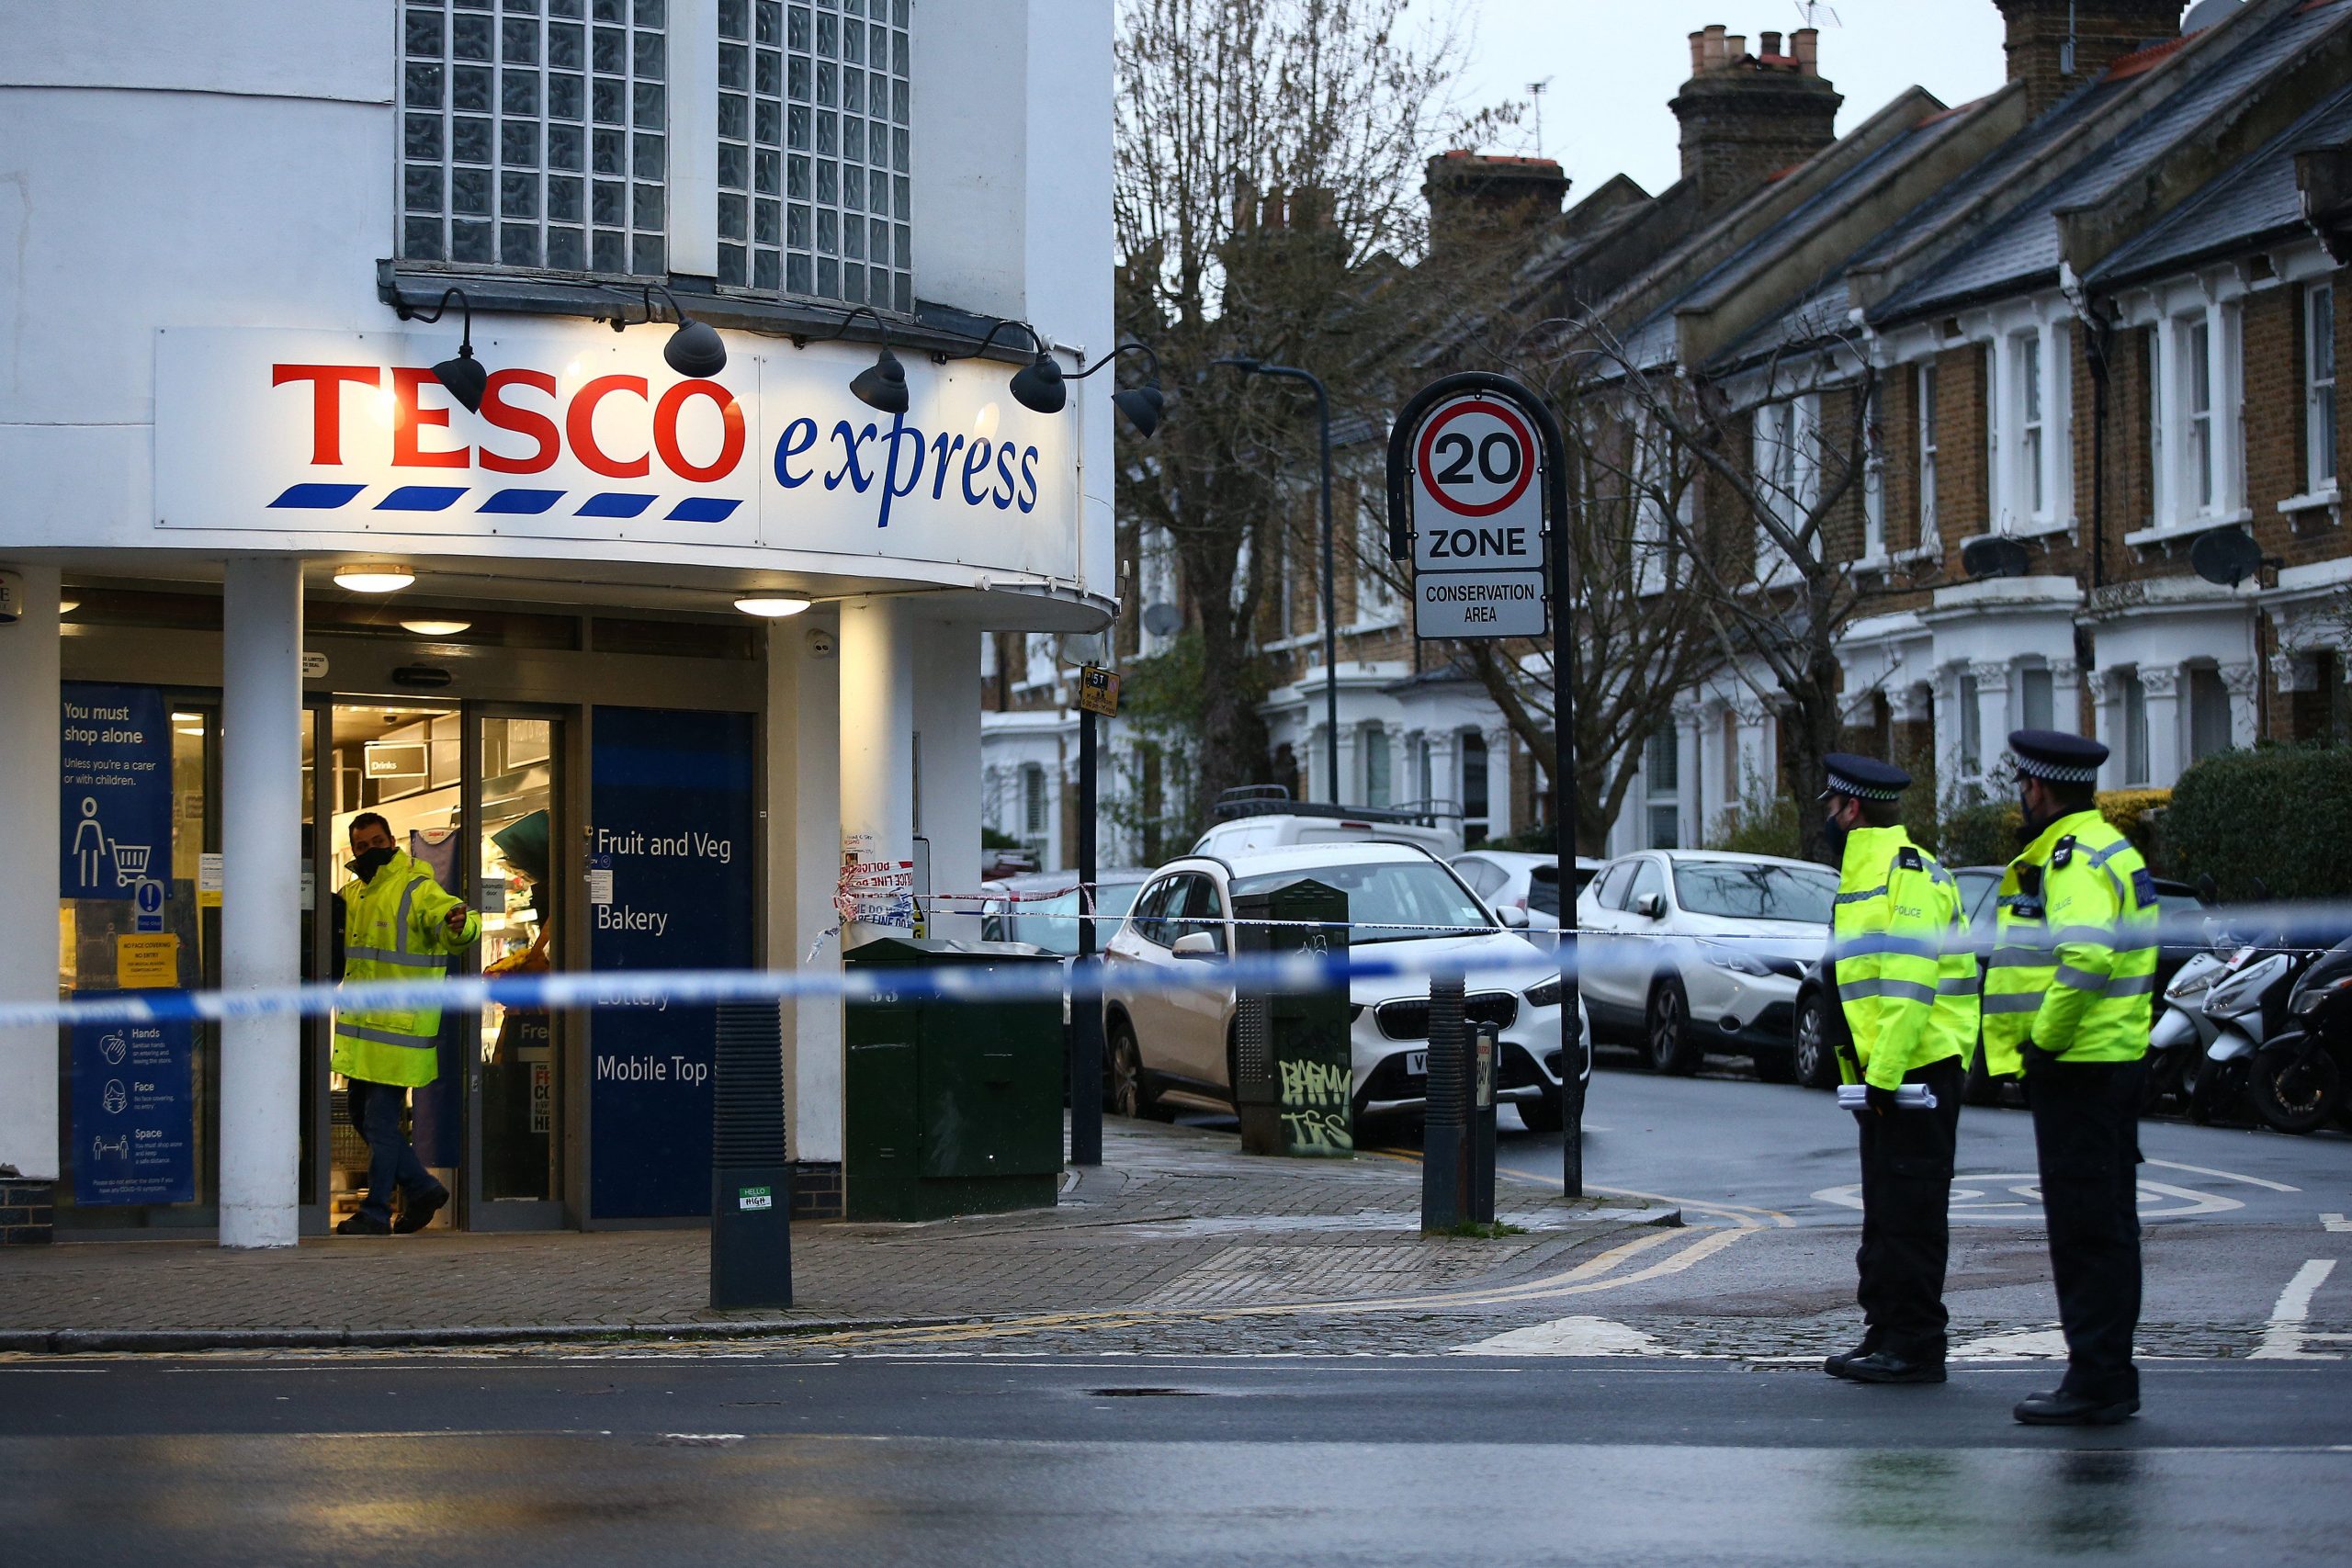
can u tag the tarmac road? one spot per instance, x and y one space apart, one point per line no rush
1145 1461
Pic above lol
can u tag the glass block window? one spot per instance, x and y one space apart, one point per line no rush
813 157
534 133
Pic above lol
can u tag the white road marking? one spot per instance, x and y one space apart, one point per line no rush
2285 1338
1567 1337
2023 1345
2335 1223
2226 1175
1974 1198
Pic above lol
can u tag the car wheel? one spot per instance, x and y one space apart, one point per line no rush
1129 1091
1671 1048
1543 1115
1814 1063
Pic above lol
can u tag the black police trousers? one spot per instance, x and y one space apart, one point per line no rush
1906 1199
2087 1132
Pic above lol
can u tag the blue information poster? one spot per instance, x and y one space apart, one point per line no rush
134 1113
672 809
116 830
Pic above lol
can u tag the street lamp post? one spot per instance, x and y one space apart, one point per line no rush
1330 615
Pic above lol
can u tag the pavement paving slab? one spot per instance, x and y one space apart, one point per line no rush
1175 1224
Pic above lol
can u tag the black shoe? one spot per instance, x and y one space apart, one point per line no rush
2062 1408
1885 1366
417 1212
361 1225
1836 1365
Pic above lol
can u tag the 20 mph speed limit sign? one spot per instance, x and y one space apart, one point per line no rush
1473 474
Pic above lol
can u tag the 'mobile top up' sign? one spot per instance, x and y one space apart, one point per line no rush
587 435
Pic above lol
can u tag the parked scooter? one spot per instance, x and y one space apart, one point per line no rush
2183 1030
2298 1078
2249 1007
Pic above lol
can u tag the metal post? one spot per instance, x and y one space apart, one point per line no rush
1481 1201
1563 814
1446 1125
1085 980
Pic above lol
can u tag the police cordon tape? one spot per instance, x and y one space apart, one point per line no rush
2295 928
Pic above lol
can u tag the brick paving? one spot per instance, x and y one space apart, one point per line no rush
1175 1222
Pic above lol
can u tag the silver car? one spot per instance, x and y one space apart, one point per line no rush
1169 1006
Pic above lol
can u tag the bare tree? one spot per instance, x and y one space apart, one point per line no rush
1783 445
1643 633
1267 203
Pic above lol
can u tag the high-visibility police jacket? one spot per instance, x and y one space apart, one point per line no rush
2074 961
1906 979
393 929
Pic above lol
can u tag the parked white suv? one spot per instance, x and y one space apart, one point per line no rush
1168 1015
1689 951
1264 817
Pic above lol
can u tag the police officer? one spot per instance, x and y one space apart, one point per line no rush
2068 996
399 926
1906 985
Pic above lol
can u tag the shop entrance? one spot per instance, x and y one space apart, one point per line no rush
477 793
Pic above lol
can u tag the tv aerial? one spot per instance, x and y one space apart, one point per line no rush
1814 11
1535 91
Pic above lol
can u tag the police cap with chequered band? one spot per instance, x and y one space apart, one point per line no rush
2054 755
1864 778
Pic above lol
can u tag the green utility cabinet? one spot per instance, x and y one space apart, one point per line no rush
1294 1067
953 1108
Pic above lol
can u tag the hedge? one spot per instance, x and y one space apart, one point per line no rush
2281 814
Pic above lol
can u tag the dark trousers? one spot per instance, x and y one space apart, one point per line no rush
2087 1132
1906 1226
374 1111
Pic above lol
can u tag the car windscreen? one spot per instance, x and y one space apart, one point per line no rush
1736 891
1396 900
1543 890
1052 923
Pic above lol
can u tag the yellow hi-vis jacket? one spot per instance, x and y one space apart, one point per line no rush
2073 963
1906 976
393 929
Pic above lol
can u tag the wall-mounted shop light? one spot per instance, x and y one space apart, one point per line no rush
436 628
694 349
1142 405
463 376
373 577
772 606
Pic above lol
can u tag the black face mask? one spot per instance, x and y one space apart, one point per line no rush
1837 833
367 863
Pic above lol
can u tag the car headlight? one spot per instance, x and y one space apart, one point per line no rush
1732 958
1546 995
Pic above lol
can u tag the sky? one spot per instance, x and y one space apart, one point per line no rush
1615 63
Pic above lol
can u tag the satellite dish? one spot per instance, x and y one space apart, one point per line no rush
1162 619
2206 14
2225 556
1995 556
1082 649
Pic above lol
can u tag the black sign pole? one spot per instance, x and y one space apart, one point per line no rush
1563 586
1086 987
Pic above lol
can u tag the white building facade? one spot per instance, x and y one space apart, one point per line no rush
229 423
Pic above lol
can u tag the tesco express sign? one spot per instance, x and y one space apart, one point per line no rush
588 435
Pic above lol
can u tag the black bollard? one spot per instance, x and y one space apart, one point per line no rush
1445 1126
751 1173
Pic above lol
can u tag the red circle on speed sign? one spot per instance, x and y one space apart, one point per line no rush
1471 459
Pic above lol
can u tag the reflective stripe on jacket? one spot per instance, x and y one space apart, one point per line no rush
2074 960
393 930
1906 976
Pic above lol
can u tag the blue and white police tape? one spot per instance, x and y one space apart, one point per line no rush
1014 979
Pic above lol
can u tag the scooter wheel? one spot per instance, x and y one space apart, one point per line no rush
2295 1084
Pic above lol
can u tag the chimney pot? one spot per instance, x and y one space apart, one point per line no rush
1806 44
1736 49
1715 47
1768 43
1698 52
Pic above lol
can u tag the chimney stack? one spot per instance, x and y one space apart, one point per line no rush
1481 202
2100 33
1745 118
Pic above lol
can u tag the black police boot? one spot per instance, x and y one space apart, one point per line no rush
416 1213
1836 1365
1885 1366
2064 1407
